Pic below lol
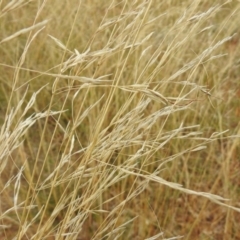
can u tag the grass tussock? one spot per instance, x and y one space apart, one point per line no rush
119 120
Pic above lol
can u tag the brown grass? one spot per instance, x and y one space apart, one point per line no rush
119 120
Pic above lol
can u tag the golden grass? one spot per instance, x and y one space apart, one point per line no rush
119 120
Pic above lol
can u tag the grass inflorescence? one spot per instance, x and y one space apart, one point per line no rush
119 120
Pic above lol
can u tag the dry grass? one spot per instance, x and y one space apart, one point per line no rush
119 120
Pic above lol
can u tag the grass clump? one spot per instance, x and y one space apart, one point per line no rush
119 120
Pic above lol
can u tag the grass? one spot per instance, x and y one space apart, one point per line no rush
119 120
